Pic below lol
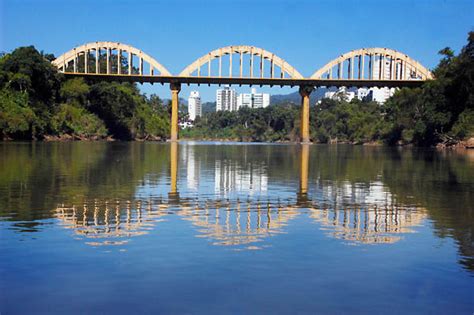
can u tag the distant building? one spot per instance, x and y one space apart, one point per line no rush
185 124
342 94
379 95
194 105
253 99
226 99
362 93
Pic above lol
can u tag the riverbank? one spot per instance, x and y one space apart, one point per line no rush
461 144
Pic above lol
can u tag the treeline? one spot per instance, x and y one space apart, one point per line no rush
440 111
274 123
37 102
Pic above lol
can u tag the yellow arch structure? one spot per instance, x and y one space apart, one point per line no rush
72 56
285 67
383 64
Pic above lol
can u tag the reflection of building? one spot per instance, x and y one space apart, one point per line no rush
193 167
232 176
110 223
374 193
253 99
357 212
226 99
194 105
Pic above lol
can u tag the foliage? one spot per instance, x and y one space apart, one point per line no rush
344 121
16 118
37 101
76 121
149 122
442 108
274 123
75 91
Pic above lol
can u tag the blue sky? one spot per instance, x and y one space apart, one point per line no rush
307 34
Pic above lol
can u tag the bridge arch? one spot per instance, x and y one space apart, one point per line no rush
284 69
373 64
89 57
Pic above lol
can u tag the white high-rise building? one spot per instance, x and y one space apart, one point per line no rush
194 105
254 99
342 94
362 93
380 95
226 99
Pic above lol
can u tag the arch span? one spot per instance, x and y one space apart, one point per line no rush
373 64
283 69
79 59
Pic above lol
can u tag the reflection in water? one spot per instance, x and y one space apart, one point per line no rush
110 223
231 176
126 222
349 212
238 223
369 225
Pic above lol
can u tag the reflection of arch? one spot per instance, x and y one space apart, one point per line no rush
284 67
369 225
234 223
110 223
84 51
381 64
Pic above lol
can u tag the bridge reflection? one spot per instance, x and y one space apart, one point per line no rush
350 212
110 223
369 225
238 223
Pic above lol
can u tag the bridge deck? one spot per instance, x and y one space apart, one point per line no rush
249 81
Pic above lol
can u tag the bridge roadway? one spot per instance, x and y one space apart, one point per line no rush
366 67
247 81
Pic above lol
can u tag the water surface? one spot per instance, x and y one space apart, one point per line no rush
212 228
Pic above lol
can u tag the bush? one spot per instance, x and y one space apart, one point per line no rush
464 126
77 121
17 120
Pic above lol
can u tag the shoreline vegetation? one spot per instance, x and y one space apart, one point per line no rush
38 103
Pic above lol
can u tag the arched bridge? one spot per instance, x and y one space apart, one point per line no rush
243 65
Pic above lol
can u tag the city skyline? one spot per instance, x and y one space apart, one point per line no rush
275 30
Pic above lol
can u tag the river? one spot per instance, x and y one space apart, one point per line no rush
219 228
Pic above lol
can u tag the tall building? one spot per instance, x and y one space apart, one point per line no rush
226 99
380 95
194 105
342 94
253 100
385 75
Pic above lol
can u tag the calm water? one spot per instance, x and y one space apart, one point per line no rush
233 228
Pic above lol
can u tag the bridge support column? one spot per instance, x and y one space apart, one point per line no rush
302 196
175 88
305 92
173 195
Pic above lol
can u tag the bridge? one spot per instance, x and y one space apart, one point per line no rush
243 65
240 223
